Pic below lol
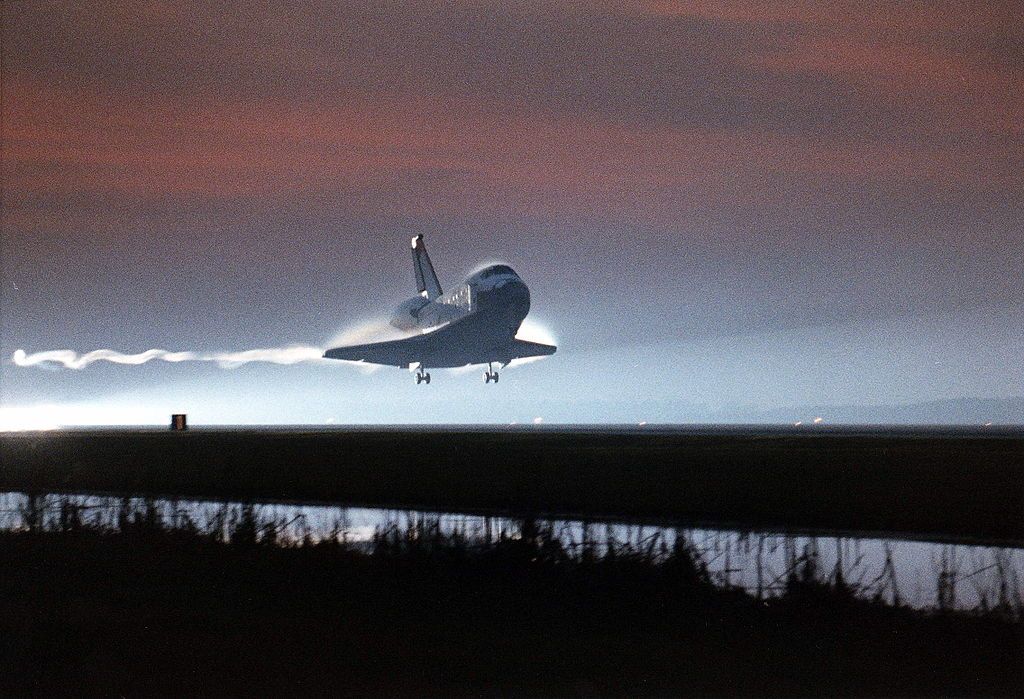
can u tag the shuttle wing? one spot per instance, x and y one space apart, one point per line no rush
399 353
523 348
461 342
452 344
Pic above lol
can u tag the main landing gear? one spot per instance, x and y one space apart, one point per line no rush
490 375
422 377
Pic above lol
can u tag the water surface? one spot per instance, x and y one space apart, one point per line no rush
921 574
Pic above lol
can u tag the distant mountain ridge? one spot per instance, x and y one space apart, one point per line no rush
952 411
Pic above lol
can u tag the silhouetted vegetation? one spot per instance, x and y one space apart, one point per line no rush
142 598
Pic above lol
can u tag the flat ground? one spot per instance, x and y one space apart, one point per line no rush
927 482
149 612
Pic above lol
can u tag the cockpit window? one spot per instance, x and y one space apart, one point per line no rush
496 269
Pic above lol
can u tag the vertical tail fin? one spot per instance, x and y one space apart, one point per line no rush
426 280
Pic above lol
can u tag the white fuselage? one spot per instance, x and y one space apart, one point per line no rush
496 291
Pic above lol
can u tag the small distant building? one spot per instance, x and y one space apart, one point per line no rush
178 422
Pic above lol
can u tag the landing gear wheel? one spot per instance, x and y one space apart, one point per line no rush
495 377
426 377
422 377
487 377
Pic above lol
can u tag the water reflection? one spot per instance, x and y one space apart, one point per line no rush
914 573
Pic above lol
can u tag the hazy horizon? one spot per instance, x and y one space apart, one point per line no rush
719 210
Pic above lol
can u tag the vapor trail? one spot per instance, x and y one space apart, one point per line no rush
227 360
371 330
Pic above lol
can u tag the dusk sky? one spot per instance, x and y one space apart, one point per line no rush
718 206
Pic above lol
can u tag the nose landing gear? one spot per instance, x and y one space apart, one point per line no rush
422 377
490 375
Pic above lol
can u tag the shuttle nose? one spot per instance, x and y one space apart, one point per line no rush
513 298
511 284
516 290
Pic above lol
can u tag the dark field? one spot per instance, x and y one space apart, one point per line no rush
137 608
926 482
134 605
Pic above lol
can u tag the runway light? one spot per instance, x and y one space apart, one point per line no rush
52 416
538 420
818 420
27 419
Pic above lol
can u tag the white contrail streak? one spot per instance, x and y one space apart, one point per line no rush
374 330
228 360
